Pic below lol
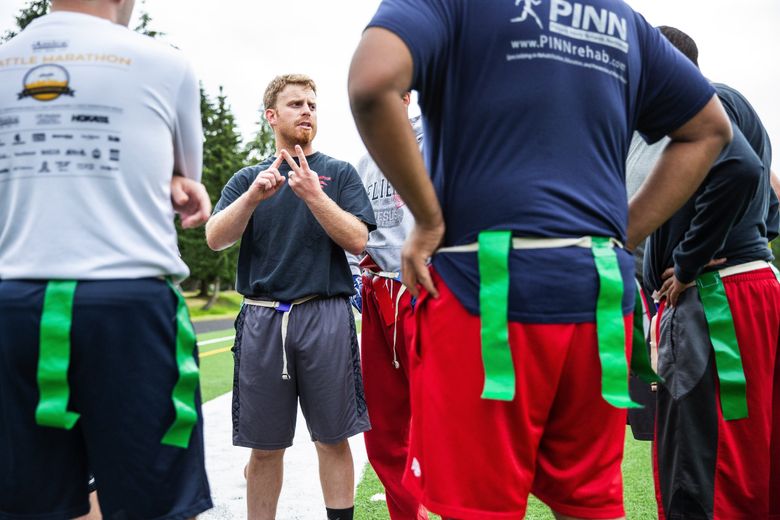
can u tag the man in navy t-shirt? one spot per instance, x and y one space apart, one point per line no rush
295 334
715 433
529 111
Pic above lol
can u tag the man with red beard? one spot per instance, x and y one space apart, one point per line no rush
295 334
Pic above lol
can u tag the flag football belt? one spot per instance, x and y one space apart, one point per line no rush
285 308
54 360
728 360
493 249
395 277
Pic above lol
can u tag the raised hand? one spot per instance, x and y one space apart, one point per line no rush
304 182
267 182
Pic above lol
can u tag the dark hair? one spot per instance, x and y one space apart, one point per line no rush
682 41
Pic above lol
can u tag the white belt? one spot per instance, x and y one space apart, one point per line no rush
744 268
285 320
533 243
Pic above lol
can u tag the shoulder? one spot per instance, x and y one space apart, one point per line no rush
365 164
335 166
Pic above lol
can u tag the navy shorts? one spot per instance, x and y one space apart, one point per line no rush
122 373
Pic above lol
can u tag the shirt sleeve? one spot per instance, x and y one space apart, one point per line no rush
188 132
425 28
724 199
353 199
671 91
235 187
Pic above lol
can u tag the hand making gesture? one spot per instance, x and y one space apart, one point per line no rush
267 182
304 182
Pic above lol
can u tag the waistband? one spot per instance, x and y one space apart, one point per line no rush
585 242
744 268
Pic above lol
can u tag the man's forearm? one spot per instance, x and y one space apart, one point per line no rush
342 227
375 87
679 172
226 227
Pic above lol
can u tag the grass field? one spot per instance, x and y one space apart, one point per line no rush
216 364
227 305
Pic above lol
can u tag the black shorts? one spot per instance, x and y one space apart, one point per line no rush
122 373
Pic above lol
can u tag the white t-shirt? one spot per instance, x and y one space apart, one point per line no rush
94 119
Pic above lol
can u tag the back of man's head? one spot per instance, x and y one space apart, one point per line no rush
682 41
117 11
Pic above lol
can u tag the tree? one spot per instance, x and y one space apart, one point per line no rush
263 144
145 22
222 157
28 13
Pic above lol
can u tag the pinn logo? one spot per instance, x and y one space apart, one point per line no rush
528 10
46 83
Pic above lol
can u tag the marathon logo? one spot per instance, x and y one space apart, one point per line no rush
86 118
587 23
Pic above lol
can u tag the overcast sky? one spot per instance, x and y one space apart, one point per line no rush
242 44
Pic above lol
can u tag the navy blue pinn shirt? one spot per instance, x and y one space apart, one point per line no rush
528 111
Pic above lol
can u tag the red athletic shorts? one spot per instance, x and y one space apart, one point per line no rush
472 458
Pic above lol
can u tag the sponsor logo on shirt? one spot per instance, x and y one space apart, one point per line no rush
23 168
528 12
46 83
89 118
5 170
96 154
52 151
113 138
105 168
18 140
44 167
588 23
74 151
113 155
48 119
90 137
8 121
38 137
62 136
50 45
62 165
85 166
24 154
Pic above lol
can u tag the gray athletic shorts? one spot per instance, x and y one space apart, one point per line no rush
323 362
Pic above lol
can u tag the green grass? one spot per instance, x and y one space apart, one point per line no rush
637 481
227 305
216 371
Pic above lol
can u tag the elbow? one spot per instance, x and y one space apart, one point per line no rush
211 237
364 96
358 244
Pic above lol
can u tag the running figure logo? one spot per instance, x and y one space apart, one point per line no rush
528 10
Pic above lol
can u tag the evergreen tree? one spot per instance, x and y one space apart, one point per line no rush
28 13
263 144
222 157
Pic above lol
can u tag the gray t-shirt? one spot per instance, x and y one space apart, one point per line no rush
640 162
285 253
394 221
